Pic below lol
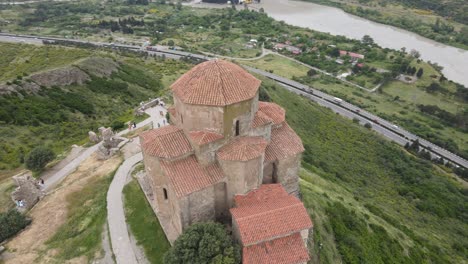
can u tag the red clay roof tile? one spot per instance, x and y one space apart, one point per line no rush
284 142
262 220
243 149
275 112
165 142
217 83
204 137
285 250
187 176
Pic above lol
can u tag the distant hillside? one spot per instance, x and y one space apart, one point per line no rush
372 202
455 9
54 96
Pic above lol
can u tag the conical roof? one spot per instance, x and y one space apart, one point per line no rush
216 83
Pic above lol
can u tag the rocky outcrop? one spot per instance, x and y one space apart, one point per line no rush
101 67
111 144
27 192
75 74
60 77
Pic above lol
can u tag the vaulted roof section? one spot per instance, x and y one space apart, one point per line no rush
165 142
243 149
284 250
216 83
204 137
268 214
284 142
188 176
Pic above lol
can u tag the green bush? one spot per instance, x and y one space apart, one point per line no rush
204 243
38 158
11 222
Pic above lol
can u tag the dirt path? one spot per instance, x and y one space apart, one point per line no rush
51 212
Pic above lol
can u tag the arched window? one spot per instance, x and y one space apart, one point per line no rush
237 128
165 193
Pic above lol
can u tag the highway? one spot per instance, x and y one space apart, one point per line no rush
384 127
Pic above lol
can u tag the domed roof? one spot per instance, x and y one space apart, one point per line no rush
216 83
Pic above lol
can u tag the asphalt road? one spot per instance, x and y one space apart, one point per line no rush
343 108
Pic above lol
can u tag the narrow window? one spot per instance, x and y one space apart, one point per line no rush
237 128
181 119
165 193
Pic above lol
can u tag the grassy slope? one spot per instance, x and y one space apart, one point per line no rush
145 79
81 234
143 223
420 209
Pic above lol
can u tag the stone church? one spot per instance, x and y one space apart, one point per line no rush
229 157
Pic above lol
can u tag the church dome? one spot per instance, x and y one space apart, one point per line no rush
216 83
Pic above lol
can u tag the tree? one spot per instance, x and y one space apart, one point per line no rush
311 72
367 40
171 43
415 53
38 158
419 73
11 222
204 243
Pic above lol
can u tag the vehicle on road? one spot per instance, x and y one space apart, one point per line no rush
337 100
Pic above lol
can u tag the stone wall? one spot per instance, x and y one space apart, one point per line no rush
242 112
288 173
242 176
262 131
199 117
206 154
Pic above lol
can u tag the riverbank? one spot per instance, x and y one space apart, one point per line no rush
423 22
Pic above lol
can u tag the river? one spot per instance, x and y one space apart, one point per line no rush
337 22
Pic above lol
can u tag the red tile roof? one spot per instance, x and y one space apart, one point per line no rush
165 142
268 214
243 149
204 137
275 112
285 250
268 113
187 176
217 83
284 142
261 119
265 194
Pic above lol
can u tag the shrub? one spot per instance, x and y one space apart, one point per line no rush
204 243
368 125
12 222
117 125
38 158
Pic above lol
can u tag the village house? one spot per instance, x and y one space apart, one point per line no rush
231 158
354 56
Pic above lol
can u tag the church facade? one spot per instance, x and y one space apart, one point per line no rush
224 153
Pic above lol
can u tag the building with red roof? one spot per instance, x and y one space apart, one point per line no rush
271 225
227 154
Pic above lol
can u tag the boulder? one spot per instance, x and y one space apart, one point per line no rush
93 137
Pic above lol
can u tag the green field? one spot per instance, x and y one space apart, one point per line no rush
371 201
144 224
395 101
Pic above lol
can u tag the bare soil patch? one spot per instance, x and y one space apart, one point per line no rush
51 212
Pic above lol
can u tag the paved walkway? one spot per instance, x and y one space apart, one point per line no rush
120 238
55 179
